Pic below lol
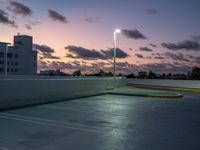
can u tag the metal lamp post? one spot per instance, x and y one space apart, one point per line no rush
114 51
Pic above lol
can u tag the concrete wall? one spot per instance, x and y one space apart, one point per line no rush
169 83
18 91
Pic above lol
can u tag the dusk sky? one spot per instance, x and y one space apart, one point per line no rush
157 35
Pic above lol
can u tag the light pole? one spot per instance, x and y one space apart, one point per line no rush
114 53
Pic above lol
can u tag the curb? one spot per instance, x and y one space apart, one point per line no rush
174 95
165 88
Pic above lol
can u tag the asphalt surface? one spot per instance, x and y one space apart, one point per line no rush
106 122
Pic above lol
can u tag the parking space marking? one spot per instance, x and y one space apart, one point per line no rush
53 123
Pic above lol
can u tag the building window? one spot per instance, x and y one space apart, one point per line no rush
16 63
9 55
1 54
16 70
1 69
19 42
1 62
16 56
11 70
8 63
8 70
35 57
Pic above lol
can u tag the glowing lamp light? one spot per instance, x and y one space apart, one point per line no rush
117 30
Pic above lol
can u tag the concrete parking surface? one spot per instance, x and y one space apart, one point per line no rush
106 122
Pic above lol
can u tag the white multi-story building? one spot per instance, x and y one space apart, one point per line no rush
21 59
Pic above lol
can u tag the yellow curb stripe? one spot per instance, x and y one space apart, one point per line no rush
168 95
166 88
165 96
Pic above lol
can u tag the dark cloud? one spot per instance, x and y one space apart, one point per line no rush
152 11
148 57
83 53
76 62
80 52
188 45
166 67
133 34
158 56
177 57
33 23
49 56
130 49
173 56
99 66
139 55
45 51
5 20
19 8
153 45
55 16
194 59
145 49
91 19
119 53
28 27
121 67
67 66
43 48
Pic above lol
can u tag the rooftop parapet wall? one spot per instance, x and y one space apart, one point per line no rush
27 90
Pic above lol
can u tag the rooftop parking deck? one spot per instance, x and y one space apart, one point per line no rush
106 122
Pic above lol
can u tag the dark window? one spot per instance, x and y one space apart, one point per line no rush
8 69
8 63
16 70
1 62
16 63
1 54
9 55
19 42
16 55
1 69
11 70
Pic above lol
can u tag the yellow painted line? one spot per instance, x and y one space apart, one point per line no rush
159 95
165 96
167 88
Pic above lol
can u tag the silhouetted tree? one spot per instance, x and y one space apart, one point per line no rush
120 74
151 75
77 73
196 73
110 74
131 75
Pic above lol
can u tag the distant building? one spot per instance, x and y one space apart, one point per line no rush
21 59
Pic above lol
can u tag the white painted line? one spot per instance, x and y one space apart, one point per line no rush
65 108
52 123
